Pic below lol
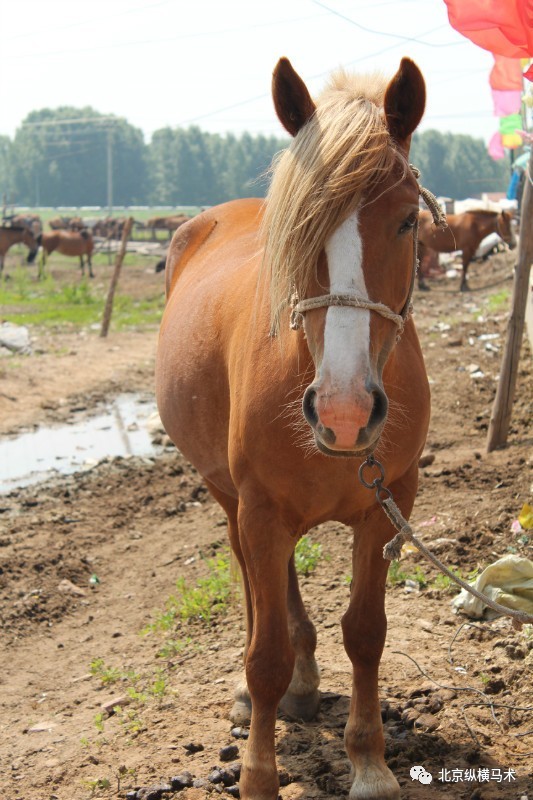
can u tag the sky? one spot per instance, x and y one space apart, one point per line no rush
209 63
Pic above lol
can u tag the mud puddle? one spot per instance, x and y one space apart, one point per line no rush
120 429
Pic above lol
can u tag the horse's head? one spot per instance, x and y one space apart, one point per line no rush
506 229
355 296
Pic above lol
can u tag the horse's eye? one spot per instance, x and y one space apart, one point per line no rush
408 224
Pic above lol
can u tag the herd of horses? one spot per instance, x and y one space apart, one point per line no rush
70 236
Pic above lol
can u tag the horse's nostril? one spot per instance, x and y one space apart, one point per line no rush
379 408
308 406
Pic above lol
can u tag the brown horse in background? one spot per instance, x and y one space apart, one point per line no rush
13 234
465 232
279 422
68 243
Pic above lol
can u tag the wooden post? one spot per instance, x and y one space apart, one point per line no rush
114 278
503 402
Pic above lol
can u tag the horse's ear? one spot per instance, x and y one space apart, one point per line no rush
405 100
292 100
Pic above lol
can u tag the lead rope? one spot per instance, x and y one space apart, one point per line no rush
392 550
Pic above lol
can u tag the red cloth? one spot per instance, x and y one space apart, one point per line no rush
500 26
506 74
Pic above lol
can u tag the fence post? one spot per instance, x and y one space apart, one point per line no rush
108 310
503 402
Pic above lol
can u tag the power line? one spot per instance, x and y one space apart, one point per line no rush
386 33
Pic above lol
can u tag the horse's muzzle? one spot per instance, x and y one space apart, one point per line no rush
346 425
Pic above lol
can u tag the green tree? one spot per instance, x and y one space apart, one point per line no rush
60 157
456 165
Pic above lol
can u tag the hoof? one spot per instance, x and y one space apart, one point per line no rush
423 287
375 784
300 706
241 713
465 287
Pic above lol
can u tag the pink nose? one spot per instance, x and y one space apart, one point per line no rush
344 418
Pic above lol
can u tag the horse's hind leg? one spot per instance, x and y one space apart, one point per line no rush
302 698
89 262
82 265
364 628
242 707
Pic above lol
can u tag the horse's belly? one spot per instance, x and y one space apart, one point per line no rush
192 391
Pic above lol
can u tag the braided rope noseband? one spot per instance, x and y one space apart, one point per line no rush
300 307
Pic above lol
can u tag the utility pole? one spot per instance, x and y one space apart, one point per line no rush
109 183
109 171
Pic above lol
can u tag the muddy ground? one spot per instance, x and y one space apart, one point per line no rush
88 561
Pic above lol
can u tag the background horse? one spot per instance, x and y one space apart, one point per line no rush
13 234
465 232
278 423
68 243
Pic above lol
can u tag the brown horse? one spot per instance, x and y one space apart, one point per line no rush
338 229
465 232
13 234
68 243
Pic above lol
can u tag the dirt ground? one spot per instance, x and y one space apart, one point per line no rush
456 697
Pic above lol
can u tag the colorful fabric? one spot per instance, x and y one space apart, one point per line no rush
506 101
495 148
506 73
510 124
500 26
511 140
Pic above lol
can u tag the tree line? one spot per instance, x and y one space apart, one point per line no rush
77 156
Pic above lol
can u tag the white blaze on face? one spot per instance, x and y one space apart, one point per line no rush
347 330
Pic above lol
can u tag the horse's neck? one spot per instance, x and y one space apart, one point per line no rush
486 223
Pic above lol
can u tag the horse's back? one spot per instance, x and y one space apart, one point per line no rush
220 228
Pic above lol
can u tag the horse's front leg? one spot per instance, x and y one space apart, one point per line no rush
364 628
467 257
82 266
266 546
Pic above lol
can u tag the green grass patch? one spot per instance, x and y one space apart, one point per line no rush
48 303
499 301
396 575
307 555
203 602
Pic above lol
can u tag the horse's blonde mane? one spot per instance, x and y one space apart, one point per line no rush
320 179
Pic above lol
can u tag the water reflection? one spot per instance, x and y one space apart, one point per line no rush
119 430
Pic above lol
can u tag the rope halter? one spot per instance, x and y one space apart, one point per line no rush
300 307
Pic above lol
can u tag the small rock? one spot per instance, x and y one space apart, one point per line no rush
235 770
426 721
41 727
426 460
409 717
284 777
233 791
228 753
494 686
193 747
182 781
110 705
240 733
215 776
199 783
67 587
